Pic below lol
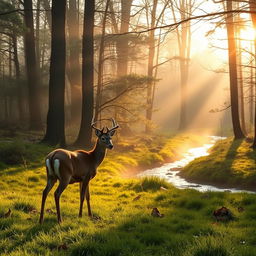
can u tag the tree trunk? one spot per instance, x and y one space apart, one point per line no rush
101 64
55 131
253 16
122 46
251 92
74 70
151 55
241 89
47 7
31 68
85 132
17 74
233 73
184 41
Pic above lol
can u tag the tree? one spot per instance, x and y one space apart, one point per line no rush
151 54
101 64
55 131
11 27
184 40
32 68
253 16
74 70
85 132
122 45
238 133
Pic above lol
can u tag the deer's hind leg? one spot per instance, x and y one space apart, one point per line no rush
64 175
50 183
63 184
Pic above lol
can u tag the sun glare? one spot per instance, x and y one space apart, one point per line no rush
247 33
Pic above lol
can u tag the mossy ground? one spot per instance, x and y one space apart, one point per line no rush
231 163
125 226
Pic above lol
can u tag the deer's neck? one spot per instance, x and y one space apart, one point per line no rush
99 153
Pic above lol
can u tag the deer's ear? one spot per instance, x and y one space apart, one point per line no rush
111 133
98 132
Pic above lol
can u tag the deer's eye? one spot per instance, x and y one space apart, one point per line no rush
102 138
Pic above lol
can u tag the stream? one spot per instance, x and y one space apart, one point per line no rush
170 171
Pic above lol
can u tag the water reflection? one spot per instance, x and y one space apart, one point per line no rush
170 171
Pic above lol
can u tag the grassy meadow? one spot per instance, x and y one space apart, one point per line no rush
123 206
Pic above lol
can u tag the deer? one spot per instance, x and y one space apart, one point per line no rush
70 167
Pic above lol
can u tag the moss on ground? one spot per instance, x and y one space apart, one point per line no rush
125 226
230 164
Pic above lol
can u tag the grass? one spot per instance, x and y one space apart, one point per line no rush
125 226
230 163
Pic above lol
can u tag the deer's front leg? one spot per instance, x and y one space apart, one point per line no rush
83 186
87 195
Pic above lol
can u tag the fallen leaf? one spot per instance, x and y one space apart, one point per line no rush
50 211
240 209
62 247
137 198
155 213
34 211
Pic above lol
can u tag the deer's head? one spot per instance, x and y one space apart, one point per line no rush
105 138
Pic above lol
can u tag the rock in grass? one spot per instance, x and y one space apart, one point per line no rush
163 188
223 214
155 213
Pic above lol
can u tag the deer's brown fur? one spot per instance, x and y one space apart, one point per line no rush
75 166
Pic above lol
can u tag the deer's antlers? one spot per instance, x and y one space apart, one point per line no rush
115 125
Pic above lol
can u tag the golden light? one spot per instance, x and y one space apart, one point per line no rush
247 33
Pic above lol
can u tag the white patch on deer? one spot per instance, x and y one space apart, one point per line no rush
57 167
47 162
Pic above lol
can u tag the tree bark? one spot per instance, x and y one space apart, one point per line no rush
253 16
101 64
122 46
184 41
17 74
151 55
55 131
238 133
85 132
47 7
74 69
31 68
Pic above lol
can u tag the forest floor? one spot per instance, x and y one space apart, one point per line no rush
123 206
229 164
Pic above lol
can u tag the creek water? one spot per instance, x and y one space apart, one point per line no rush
170 171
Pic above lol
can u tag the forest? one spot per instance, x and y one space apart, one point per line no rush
143 109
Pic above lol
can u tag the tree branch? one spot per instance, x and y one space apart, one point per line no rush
176 24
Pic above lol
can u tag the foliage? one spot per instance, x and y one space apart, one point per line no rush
12 22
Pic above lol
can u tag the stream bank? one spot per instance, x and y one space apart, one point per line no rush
172 171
